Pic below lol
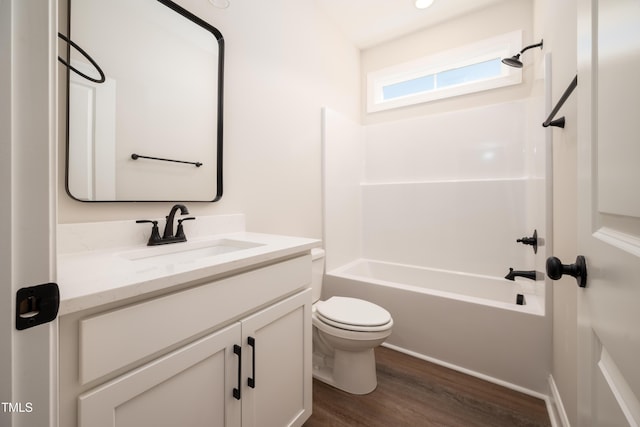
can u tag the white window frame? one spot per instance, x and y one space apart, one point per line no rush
502 46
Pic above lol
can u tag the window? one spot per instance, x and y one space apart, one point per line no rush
464 70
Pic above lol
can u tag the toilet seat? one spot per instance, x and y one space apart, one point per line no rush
353 314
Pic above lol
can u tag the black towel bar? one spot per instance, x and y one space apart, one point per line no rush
135 156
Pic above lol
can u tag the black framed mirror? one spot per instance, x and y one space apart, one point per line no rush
153 129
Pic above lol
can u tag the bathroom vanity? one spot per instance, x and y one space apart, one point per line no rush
215 331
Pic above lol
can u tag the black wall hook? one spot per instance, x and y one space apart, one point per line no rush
560 122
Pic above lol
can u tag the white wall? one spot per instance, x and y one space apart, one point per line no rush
558 20
284 61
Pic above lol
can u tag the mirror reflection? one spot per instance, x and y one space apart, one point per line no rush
152 131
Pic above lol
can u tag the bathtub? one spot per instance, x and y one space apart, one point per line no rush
467 322
475 289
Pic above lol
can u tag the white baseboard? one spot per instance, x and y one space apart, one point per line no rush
557 413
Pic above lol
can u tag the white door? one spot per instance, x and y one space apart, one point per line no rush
609 212
92 136
28 73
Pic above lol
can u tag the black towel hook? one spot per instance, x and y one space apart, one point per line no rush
86 55
560 122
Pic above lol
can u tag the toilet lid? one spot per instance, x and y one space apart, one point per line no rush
353 311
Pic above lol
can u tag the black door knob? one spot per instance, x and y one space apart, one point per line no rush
556 269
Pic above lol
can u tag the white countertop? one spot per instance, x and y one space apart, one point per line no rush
92 278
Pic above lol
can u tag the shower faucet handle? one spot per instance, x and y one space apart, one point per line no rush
533 241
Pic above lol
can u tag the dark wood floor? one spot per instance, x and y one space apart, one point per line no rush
413 392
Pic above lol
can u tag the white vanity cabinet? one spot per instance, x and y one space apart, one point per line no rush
193 358
189 387
276 360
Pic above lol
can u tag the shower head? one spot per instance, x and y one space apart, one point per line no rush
514 61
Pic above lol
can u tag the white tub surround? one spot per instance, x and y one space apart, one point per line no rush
178 333
101 263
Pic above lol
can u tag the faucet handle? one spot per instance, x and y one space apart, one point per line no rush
180 230
533 241
155 233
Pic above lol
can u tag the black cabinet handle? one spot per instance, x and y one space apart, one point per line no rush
556 269
238 350
252 378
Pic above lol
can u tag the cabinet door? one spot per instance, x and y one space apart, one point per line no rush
277 364
190 387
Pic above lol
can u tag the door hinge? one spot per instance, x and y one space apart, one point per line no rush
36 305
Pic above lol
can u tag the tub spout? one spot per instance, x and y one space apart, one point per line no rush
515 273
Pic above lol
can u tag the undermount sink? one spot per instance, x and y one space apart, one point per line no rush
179 253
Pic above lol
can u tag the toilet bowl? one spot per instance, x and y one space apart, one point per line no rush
345 332
343 353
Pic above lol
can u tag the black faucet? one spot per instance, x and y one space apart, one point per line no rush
167 236
168 227
515 273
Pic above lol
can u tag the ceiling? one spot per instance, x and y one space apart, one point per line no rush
370 22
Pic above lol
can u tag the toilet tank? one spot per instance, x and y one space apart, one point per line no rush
317 270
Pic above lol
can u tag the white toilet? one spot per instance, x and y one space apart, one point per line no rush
345 332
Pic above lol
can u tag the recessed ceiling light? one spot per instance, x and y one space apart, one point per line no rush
423 4
220 4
